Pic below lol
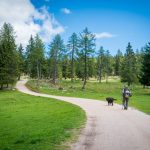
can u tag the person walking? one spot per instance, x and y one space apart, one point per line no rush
126 93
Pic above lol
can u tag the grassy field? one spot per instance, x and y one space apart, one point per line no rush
95 90
36 123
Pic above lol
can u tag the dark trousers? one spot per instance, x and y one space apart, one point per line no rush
125 103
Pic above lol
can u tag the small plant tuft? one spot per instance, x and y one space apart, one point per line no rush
19 142
60 88
34 141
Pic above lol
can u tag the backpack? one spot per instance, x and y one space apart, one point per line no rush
126 95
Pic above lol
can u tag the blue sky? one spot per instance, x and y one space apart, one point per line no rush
126 20
115 22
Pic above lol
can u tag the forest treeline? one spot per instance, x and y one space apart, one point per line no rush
77 59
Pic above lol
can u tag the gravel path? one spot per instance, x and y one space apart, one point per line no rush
107 127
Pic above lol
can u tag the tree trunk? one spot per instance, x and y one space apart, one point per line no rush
54 72
49 72
1 87
19 77
100 74
106 77
72 72
85 71
38 73
100 69
72 65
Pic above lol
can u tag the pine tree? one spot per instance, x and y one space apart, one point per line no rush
100 62
64 63
73 47
38 56
35 57
128 67
21 60
145 75
139 59
79 69
107 64
55 55
8 56
117 65
65 66
91 68
87 44
29 65
45 68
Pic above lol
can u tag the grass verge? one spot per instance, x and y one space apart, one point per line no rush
36 123
95 90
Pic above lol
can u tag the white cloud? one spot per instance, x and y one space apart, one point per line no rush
66 11
27 20
104 35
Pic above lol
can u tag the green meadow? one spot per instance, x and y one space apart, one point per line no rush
94 90
36 123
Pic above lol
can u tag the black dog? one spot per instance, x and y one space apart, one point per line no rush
110 100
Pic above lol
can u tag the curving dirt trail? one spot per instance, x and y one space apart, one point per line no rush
107 128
